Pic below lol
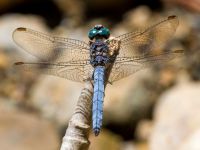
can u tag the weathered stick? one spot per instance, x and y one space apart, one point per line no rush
77 133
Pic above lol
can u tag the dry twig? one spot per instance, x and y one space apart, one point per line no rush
77 133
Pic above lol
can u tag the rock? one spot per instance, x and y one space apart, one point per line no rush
176 116
143 130
21 130
192 142
138 18
55 98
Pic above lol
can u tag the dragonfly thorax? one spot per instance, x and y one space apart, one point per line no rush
99 53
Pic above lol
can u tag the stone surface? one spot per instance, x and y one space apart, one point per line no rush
176 116
192 142
143 130
21 130
55 98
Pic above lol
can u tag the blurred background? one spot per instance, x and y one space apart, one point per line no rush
156 108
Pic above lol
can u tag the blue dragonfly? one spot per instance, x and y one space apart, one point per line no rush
103 60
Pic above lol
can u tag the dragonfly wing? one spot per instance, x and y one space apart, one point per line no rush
74 70
125 66
148 41
48 48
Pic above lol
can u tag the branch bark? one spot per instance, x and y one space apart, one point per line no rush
77 133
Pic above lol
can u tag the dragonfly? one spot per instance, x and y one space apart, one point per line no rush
104 59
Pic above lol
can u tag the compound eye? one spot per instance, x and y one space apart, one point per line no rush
104 32
92 33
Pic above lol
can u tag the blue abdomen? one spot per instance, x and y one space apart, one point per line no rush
97 106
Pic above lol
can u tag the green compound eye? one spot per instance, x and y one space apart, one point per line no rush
92 33
99 31
104 32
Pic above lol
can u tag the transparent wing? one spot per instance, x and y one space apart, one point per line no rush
63 57
48 48
141 49
148 41
126 66
74 70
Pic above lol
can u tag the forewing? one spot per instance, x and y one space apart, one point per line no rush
50 48
126 66
149 41
78 71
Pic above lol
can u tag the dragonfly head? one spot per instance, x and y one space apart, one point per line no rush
98 32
